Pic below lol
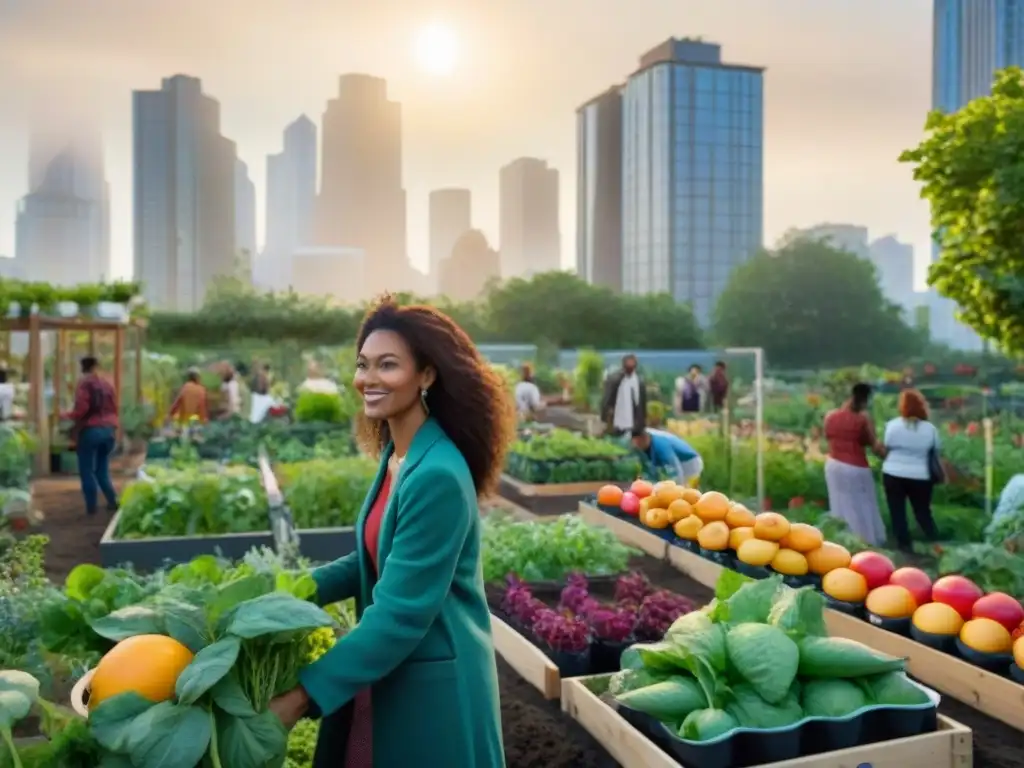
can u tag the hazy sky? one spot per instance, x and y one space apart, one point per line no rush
847 88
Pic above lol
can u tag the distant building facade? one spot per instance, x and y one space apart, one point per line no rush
184 194
451 216
245 217
531 240
328 272
599 190
852 238
692 172
894 263
472 264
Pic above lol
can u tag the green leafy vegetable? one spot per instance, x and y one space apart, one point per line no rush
894 689
765 657
19 691
631 679
751 711
668 701
707 724
799 612
831 657
832 698
751 603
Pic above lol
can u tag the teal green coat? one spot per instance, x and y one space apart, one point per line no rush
423 641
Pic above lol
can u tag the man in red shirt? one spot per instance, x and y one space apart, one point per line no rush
95 430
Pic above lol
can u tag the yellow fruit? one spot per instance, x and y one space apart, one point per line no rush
712 506
641 514
986 636
679 509
661 485
714 536
667 494
688 528
803 538
770 526
844 584
891 601
938 619
827 558
757 552
738 535
148 665
657 518
691 495
789 562
1018 651
739 516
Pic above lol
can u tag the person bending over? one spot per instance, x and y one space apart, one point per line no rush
669 452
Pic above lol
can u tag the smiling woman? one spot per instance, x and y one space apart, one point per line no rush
437 49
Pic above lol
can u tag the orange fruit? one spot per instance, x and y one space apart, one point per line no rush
828 557
738 535
679 509
770 526
802 538
692 495
714 536
712 506
609 496
739 516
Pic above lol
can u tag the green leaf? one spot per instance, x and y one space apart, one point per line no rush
170 736
185 623
82 580
799 612
236 592
765 657
207 669
276 613
751 603
111 722
114 760
257 741
729 584
669 701
229 696
18 692
129 622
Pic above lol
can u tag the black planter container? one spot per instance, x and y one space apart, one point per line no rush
944 643
993 662
852 609
571 664
1016 673
689 546
753 571
605 655
896 626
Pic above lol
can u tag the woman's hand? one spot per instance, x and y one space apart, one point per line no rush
291 706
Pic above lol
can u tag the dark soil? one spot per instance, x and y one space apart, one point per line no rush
74 536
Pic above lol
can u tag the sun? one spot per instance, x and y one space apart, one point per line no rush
437 49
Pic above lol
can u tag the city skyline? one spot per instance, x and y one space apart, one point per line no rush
506 107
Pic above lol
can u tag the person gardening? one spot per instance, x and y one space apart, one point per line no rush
663 450
191 401
95 417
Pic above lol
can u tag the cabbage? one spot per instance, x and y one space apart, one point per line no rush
669 701
799 612
765 657
631 679
701 638
894 689
830 657
751 711
832 698
707 724
752 602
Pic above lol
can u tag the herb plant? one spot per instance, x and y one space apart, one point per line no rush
326 493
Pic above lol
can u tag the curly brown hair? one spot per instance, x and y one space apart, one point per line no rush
912 405
469 399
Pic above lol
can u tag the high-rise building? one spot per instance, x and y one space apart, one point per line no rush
472 263
692 172
63 225
894 263
599 189
971 40
531 239
184 207
451 214
245 215
362 199
291 201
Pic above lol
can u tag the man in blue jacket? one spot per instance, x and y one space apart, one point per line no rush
667 451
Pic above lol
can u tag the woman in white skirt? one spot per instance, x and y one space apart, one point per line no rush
851 485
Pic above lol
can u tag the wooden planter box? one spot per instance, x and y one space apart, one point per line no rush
625 531
948 747
548 499
319 545
526 659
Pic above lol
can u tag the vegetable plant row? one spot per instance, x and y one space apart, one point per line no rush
951 614
753 677
562 456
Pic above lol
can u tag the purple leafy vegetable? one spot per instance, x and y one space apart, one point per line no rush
658 611
632 588
575 594
561 633
613 624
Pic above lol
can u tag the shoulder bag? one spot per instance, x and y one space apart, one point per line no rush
936 472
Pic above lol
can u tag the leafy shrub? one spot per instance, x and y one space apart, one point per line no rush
326 493
319 406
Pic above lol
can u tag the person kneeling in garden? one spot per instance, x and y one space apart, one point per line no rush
665 451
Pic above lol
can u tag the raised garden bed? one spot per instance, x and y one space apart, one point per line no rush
546 499
949 746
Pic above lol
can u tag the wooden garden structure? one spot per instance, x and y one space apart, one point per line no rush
69 333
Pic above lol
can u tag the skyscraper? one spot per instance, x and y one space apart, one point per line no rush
362 200
184 207
692 172
599 189
63 225
291 201
245 213
531 240
894 262
971 40
451 212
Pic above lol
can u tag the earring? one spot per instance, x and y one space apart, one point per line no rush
423 400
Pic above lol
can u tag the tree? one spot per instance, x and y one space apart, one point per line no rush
971 165
810 305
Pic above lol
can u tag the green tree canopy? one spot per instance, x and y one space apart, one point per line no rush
971 165
810 305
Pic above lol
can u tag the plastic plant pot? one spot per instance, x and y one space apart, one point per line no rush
796 582
606 655
722 557
1016 673
687 544
851 609
571 664
944 643
992 662
897 626
753 571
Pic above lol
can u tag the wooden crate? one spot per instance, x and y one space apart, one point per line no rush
948 747
547 499
627 533
526 659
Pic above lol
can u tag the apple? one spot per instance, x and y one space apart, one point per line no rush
916 582
875 568
1000 607
958 593
630 504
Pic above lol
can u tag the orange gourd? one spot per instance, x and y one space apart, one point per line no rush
148 665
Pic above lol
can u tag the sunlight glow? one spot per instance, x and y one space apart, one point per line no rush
437 49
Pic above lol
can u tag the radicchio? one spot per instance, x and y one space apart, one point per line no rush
632 588
658 611
561 633
519 603
615 625
575 598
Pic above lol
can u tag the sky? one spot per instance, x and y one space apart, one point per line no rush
847 88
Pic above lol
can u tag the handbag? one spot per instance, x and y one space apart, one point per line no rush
936 472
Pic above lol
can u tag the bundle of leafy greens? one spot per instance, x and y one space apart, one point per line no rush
251 636
757 657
